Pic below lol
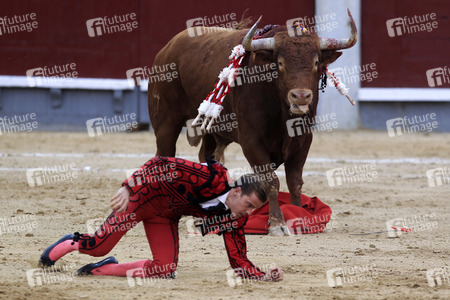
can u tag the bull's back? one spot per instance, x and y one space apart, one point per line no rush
198 61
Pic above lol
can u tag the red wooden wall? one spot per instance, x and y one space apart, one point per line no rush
402 61
62 37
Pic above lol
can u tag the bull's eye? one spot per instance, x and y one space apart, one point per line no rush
281 64
316 63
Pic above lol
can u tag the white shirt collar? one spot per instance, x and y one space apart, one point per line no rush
223 198
215 201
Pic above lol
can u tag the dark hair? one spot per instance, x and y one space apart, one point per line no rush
253 183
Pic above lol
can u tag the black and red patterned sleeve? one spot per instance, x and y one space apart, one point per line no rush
237 254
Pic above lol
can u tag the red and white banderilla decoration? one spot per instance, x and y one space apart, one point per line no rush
211 107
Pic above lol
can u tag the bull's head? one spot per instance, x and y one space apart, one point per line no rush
300 61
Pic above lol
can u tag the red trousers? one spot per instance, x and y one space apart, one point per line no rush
161 228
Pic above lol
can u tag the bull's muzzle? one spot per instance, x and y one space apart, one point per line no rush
299 100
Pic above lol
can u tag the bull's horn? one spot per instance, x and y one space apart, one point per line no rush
260 44
335 44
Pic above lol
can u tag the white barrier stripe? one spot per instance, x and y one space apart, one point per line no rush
112 84
404 94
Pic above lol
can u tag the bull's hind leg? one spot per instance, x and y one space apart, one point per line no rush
207 148
166 115
219 152
166 138
213 146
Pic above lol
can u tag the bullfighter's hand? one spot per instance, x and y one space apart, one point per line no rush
274 274
120 200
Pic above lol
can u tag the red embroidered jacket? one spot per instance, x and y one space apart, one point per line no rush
185 185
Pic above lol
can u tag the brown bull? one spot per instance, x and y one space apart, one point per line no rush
261 108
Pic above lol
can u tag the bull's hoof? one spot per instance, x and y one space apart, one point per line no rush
280 230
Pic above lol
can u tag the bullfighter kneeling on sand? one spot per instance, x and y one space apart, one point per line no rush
200 190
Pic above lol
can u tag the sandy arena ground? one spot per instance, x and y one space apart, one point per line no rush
375 266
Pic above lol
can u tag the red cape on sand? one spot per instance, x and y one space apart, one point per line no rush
311 217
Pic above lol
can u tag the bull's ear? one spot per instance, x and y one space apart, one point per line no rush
329 57
262 57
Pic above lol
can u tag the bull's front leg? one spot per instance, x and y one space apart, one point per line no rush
277 224
260 162
294 181
294 172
